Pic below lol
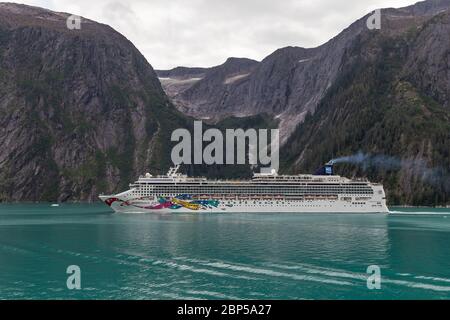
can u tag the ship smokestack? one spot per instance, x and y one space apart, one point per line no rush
326 170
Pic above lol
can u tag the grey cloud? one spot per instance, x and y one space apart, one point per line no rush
206 32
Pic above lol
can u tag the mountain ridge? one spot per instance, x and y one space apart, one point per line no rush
82 111
290 82
378 108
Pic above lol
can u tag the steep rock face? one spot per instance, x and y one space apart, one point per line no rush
183 73
287 84
292 81
391 98
81 111
180 79
428 64
207 95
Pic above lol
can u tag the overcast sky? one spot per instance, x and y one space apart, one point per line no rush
174 33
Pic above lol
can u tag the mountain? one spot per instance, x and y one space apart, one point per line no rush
289 83
203 93
381 92
286 85
81 111
391 99
179 79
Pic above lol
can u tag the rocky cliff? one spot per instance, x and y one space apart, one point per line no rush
291 82
81 111
390 100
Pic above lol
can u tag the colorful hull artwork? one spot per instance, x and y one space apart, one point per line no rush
178 202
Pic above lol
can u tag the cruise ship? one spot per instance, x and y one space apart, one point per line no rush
320 192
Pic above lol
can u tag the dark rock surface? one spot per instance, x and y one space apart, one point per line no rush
81 111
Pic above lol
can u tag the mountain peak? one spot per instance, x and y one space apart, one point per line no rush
23 9
236 60
13 15
23 14
428 7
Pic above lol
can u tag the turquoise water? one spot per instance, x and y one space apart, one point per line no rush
221 256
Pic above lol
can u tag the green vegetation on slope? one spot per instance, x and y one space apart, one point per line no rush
373 110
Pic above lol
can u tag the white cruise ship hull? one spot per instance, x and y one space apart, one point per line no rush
251 207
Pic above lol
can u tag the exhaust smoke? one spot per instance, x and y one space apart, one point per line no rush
417 167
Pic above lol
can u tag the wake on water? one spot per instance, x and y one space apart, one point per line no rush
420 213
